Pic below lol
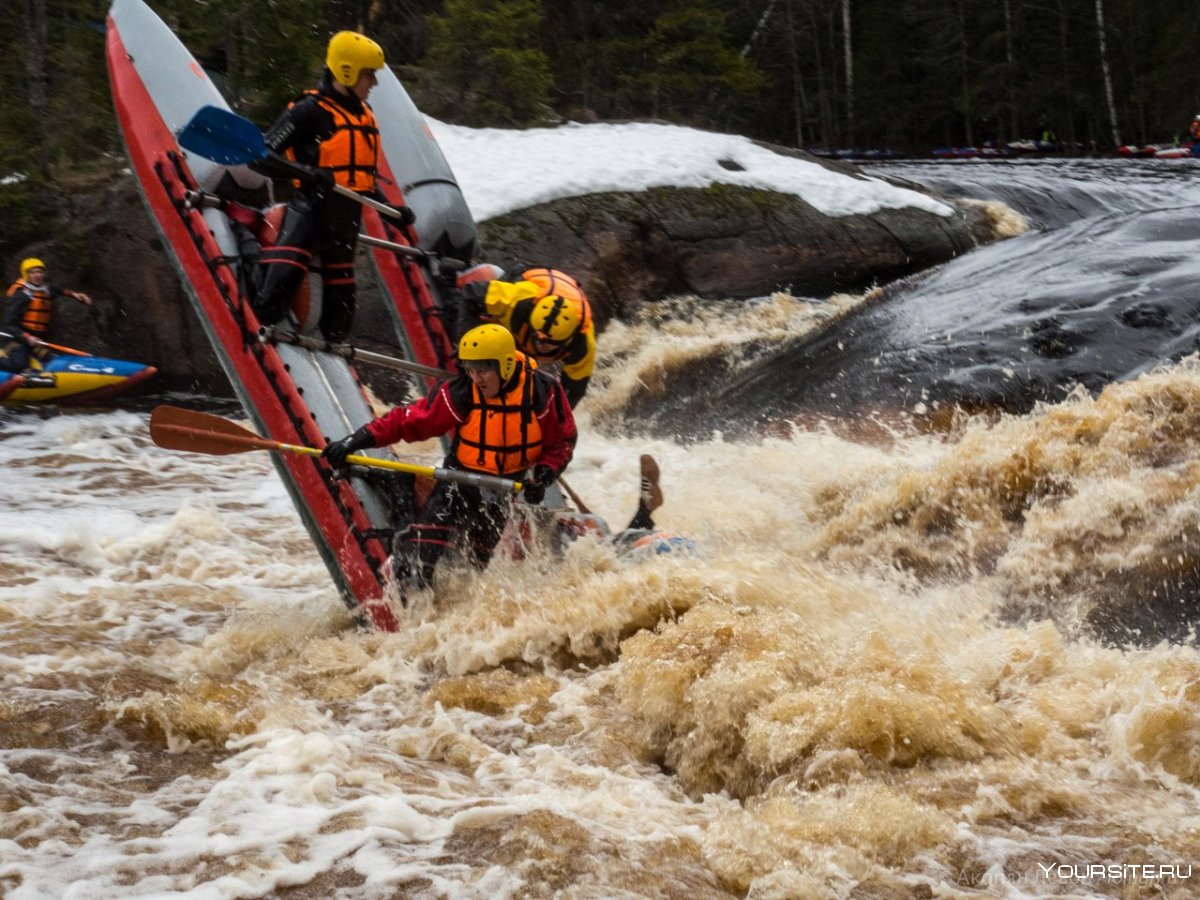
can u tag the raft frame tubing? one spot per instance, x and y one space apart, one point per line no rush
428 341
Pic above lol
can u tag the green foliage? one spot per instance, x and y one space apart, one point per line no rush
692 66
925 73
483 50
67 115
22 212
261 55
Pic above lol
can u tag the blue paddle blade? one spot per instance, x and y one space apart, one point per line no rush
223 136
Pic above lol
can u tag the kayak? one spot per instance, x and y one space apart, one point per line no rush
292 393
75 378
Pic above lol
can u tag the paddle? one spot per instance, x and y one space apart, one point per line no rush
231 140
38 342
268 334
173 428
583 508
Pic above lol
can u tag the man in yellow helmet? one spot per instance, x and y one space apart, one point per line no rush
548 314
507 417
26 320
330 131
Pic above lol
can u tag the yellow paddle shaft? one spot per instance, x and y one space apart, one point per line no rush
476 479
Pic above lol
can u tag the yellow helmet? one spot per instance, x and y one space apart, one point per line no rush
489 343
558 318
31 263
349 53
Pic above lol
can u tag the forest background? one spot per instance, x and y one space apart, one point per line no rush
906 75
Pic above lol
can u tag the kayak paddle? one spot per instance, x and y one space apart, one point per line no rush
173 428
59 348
232 140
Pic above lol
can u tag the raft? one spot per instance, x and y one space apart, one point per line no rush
291 393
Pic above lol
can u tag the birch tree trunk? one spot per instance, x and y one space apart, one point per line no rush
964 61
1104 69
848 52
1010 69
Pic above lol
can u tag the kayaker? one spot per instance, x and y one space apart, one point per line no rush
507 418
547 312
26 321
1193 135
330 131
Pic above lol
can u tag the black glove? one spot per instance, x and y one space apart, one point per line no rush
473 296
407 216
321 178
337 452
535 483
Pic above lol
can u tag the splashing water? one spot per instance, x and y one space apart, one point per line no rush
895 666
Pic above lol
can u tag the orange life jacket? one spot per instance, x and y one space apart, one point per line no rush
36 318
352 150
503 435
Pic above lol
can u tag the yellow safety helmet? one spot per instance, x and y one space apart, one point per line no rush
31 263
489 343
349 53
558 318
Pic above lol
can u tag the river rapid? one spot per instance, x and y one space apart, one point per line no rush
912 655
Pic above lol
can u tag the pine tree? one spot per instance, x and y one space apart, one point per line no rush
485 51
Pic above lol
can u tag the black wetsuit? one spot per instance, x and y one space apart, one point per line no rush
317 220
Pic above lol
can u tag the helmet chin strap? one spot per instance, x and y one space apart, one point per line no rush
555 311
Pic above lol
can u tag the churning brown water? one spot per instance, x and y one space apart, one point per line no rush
911 666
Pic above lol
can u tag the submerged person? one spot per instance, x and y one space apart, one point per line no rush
548 314
506 418
331 132
642 533
27 319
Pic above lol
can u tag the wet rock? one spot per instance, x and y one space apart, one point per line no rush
627 248
722 241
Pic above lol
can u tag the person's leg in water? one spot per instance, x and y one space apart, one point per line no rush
483 529
452 513
417 548
650 496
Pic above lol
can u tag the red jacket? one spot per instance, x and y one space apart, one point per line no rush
449 404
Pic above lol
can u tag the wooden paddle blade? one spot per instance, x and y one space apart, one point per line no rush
223 136
173 428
